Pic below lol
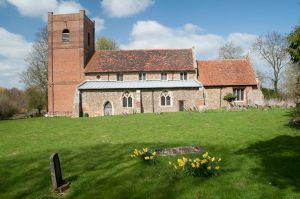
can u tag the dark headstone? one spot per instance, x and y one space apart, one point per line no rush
58 184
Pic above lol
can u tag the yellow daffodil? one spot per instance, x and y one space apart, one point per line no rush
154 153
170 163
204 161
217 167
209 168
219 160
193 165
175 167
213 159
184 159
205 155
181 162
147 158
151 157
145 150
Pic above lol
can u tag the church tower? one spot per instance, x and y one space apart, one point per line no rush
70 46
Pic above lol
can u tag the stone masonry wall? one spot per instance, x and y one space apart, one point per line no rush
146 101
215 95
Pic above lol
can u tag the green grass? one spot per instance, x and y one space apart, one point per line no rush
261 155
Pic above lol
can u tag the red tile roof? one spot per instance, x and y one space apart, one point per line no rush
227 72
141 60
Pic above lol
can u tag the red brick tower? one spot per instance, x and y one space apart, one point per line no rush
70 46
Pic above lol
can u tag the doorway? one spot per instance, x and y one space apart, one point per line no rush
181 105
107 108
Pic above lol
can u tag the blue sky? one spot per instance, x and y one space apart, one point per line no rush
205 24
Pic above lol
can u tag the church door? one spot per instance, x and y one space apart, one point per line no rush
107 108
181 105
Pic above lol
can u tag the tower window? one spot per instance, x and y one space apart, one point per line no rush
65 35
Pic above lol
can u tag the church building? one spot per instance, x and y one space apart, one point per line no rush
113 82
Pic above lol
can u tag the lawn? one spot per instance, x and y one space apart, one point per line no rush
261 155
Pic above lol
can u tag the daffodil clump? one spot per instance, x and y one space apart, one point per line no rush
204 166
145 154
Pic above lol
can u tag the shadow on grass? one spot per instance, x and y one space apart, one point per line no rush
101 171
280 161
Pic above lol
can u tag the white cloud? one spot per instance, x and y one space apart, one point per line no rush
13 49
99 24
40 8
192 28
151 34
124 8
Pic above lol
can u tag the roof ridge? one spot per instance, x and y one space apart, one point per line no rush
150 49
242 59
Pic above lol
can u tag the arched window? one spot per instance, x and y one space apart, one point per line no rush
165 99
65 36
127 100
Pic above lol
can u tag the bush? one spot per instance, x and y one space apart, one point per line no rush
205 166
85 114
7 107
229 97
145 155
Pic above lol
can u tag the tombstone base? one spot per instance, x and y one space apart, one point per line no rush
63 187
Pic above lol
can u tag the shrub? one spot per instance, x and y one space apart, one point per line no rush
7 107
145 155
85 114
205 166
229 97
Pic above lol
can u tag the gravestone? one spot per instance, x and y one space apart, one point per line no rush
58 184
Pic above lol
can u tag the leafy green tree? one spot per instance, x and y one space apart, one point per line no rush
294 50
104 43
35 98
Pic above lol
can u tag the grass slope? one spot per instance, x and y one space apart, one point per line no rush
261 155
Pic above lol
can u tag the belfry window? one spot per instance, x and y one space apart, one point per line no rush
165 99
127 100
65 36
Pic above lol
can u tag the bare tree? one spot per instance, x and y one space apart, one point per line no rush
290 77
36 74
230 51
273 48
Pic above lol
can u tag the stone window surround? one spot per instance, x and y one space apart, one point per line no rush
165 93
240 93
127 94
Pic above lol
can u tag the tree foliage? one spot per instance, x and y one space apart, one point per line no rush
272 48
294 50
230 51
11 102
35 98
36 74
104 43
294 45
